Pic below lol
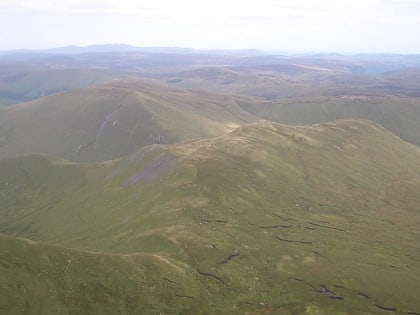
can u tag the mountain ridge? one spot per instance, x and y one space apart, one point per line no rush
111 120
268 218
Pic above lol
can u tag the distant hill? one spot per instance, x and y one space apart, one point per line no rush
70 50
268 218
77 57
299 94
23 83
115 119
264 84
401 115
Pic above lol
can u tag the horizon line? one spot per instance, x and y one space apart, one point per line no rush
193 49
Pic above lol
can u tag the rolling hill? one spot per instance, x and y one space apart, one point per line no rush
145 182
295 89
20 83
318 219
115 119
307 93
398 114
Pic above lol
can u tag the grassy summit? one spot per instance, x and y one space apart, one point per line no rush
269 218
113 120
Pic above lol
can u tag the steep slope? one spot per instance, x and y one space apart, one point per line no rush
316 219
114 120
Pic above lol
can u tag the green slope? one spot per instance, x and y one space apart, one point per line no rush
321 219
305 94
265 83
398 114
20 83
114 120
45 279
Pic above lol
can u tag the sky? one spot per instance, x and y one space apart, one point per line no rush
369 26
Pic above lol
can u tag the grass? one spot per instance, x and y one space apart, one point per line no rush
20 83
398 114
303 92
269 218
46 279
113 120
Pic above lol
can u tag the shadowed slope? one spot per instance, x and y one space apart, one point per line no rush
19 83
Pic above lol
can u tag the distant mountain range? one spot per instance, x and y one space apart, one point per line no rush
124 48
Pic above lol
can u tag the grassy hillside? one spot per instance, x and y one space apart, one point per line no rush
20 83
267 219
44 279
400 115
293 90
114 120
303 92
295 78
271 82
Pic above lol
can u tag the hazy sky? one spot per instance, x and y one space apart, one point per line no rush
292 25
